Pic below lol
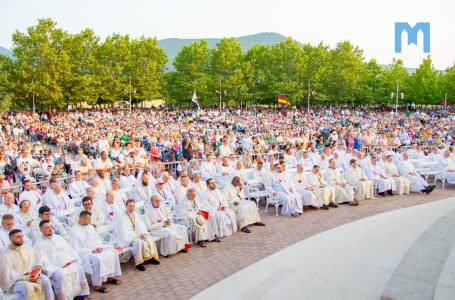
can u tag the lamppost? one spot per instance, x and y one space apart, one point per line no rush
130 92
445 102
33 99
396 104
309 92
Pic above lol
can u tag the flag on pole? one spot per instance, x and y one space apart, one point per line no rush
391 95
195 100
283 100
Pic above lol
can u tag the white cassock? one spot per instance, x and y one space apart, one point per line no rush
200 186
100 196
291 161
226 221
23 218
221 179
447 164
292 200
380 178
173 238
111 212
180 193
58 202
128 183
416 181
402 183
4 209
97 219
307 163
63 266
143 192
310 198
33 196
4 239
77 188
203 229
208 170
56 226
120 197
327 192
105 183
336 180
127 229
15 262
246 211
166 197
258 175
363 188
84 239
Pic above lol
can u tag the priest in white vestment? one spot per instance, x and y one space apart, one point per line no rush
246 211
196 210
310 196
447 165
79 186
224 172
417 182
225 217
99 192
17 262
343 191
383 182
279 184
119 195
100 260
8 221
165 194
58 200
207 168
355 177
25 217
8 206
61 264
128 182
172 237
44 213
31 195
97 216
111 209
130 231
402 183
144 189
318 182
182 187
197 183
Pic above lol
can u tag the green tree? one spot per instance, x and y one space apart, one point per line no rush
424 84
6 94
316 67
344 72
288 66
392 73
42 62
257 61
448 84
191 73
83 83
369 89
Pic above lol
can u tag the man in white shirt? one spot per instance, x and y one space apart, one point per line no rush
144 189
61 264
279 184
101 261
58 200
130 231
225 217
343 191
127 182
31 195
310 196
401 182
207 169
8 206
379 176
355 177
103 163
79 186
417 182
317 181
166 196
173 237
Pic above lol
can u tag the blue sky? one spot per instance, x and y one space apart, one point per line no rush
368 24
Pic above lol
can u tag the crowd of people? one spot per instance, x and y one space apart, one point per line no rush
91 189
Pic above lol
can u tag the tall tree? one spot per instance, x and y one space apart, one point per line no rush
448 84
191 73
392 73
6 84
424 84
42 62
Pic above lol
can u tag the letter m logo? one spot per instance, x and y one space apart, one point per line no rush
412 35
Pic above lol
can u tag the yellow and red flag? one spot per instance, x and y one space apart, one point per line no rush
283 100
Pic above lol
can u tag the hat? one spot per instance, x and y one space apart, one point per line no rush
199 221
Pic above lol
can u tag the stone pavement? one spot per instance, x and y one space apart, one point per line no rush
184 275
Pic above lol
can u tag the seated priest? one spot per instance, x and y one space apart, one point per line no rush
61 264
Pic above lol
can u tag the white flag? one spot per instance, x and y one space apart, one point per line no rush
195 99
391 95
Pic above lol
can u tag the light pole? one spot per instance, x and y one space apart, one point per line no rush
445 102
33 99
220 94
309 91
396 104
130 91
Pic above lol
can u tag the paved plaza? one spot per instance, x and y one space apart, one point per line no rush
185 275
